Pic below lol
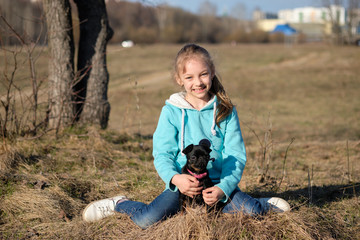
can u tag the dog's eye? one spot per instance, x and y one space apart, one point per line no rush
193 158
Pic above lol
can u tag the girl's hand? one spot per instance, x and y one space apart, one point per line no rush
212 195
187 184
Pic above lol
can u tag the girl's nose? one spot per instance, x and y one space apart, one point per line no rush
197 81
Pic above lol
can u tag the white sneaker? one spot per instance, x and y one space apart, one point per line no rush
274 204
100 209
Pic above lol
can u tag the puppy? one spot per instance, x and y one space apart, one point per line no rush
197 157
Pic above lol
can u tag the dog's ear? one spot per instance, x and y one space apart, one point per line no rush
205 142
188 149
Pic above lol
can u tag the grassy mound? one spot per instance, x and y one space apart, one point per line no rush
50 180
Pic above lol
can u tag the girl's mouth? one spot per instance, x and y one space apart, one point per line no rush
199 90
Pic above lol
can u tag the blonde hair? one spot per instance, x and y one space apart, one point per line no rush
190 51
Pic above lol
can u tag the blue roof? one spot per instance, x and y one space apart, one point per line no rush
285 29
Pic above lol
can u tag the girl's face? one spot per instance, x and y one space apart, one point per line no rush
196 78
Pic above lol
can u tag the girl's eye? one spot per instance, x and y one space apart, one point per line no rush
204 74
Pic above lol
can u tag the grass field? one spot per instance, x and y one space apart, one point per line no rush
299 108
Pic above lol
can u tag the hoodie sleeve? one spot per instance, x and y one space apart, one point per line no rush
165 147
234 156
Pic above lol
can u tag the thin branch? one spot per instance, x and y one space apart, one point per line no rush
284 162
13 30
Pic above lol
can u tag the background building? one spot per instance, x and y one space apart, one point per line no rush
315 23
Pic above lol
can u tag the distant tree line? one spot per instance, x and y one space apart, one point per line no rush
140 23
147 24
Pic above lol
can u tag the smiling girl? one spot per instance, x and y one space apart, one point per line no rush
202 111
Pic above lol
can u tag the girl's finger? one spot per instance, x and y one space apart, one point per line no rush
193 179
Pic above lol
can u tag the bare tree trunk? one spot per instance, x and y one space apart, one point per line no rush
332 6
353 18
61 63
91 90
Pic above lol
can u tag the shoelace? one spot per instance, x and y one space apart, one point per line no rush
105 211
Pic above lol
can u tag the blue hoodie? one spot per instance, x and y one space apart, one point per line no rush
180 125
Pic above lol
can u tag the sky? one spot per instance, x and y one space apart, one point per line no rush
226 6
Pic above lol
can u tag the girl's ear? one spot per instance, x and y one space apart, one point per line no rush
212 72
178 80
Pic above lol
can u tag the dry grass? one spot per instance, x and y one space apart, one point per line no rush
43 198
309 92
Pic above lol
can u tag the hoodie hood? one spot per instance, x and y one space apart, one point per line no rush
178 100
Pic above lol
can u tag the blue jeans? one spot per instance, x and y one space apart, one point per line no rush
167 205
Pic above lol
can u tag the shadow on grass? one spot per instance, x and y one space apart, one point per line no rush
316 195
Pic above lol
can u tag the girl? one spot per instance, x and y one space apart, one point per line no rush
203 110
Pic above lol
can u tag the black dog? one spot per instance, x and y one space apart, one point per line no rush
197 157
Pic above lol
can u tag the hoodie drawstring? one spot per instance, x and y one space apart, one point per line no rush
182 130
213 131
214 120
